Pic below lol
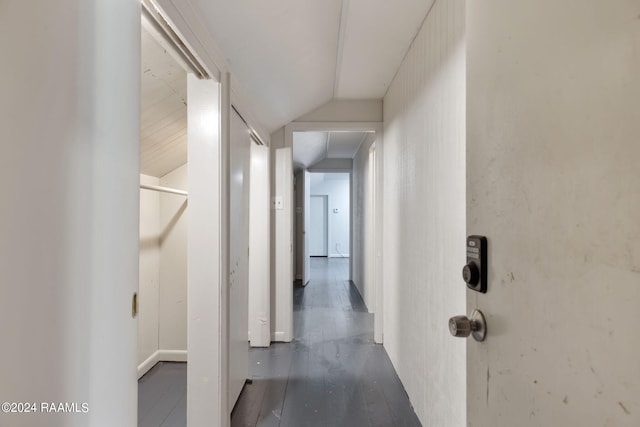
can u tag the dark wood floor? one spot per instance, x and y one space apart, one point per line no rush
332 374
162 396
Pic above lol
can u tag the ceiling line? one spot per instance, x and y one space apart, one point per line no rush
413 40
326 146
364 136
341 32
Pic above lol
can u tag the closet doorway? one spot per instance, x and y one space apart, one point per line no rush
162 292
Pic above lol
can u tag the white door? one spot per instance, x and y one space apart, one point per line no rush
239 257
553 182
318 241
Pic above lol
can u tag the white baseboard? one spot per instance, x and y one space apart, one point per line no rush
144 367
278 337
173 355
161 356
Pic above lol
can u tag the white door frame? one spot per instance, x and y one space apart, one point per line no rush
376 127
260 247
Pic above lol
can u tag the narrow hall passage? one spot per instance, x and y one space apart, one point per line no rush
332 374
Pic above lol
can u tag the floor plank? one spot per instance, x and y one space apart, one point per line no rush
332 374
337 375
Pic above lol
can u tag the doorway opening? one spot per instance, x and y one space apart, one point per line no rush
329 215
162 290
336 179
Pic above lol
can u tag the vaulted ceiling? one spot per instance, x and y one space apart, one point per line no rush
292 56
310 148
163 125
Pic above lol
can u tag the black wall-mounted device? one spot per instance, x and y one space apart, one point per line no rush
475 272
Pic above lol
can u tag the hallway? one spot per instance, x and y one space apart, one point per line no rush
332 374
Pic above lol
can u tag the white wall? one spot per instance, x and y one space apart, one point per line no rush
149 282
337 187
361 212
346 110
69 162
282 285
332 165
553 181
424 217
172 300
162 328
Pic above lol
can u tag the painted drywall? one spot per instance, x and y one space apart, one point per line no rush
332 165
337 187
69 160
346 110
552 120
282 318
361 233
424 217
172 301
149 282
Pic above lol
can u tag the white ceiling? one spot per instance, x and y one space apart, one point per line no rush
293 56
311 147
163 130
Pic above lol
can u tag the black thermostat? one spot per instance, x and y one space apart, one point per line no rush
475 272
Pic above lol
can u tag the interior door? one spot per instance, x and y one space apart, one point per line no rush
318 243
240 154
553 182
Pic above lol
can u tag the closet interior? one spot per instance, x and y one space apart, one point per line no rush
162 320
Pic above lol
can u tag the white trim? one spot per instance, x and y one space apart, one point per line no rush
183 19
172 355
144 367
339 256
161 356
